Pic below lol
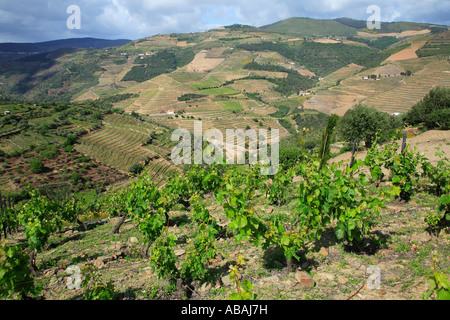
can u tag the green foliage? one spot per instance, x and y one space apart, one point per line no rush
244 288
306 27
327 194
163 259
364 123
380 43
278 189
136 168
432 110
75 178
190 96
147 207
439 283
285 123
235 199
94 287
50 151
204 247
320 58
439 175
40 217
36 166
405 172
291 84
438 45
281 112
16 281
161 62
327 138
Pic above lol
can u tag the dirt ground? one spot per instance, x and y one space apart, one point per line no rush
326 41
203 64
408 53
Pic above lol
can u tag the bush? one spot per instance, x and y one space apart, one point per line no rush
50 152
37 166
438 120
364 123
75 178
136 168
432 110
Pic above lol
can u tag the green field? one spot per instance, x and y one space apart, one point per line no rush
230 105
220 91
211 82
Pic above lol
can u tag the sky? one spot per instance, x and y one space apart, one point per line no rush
43 20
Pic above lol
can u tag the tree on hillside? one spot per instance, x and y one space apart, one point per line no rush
36 166
363 123
433 110
324 150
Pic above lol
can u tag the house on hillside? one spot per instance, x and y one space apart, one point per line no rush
303 94
7 112
170 111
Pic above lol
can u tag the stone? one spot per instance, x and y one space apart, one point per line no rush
179 252
289 282
133 240
205 287
98 263
226 281
324 276
115 246
421 237
323 251
304 279
272 279
50 273
269 210
342 280
387 252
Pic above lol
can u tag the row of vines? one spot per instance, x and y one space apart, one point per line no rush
337 196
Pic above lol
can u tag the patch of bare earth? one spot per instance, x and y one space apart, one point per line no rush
203 64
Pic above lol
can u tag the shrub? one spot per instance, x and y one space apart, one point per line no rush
432 110
37 166
363 123
136 168
75 178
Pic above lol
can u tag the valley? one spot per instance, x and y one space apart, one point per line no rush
87 177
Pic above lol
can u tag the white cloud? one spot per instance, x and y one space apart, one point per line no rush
37 20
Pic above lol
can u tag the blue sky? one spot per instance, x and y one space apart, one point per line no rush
41 20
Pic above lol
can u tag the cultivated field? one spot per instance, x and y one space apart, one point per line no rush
119 144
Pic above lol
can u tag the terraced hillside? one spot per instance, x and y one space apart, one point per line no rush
393 91
413 89
122 142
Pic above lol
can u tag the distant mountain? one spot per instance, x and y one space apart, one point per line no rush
307 27
79 69
14 51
